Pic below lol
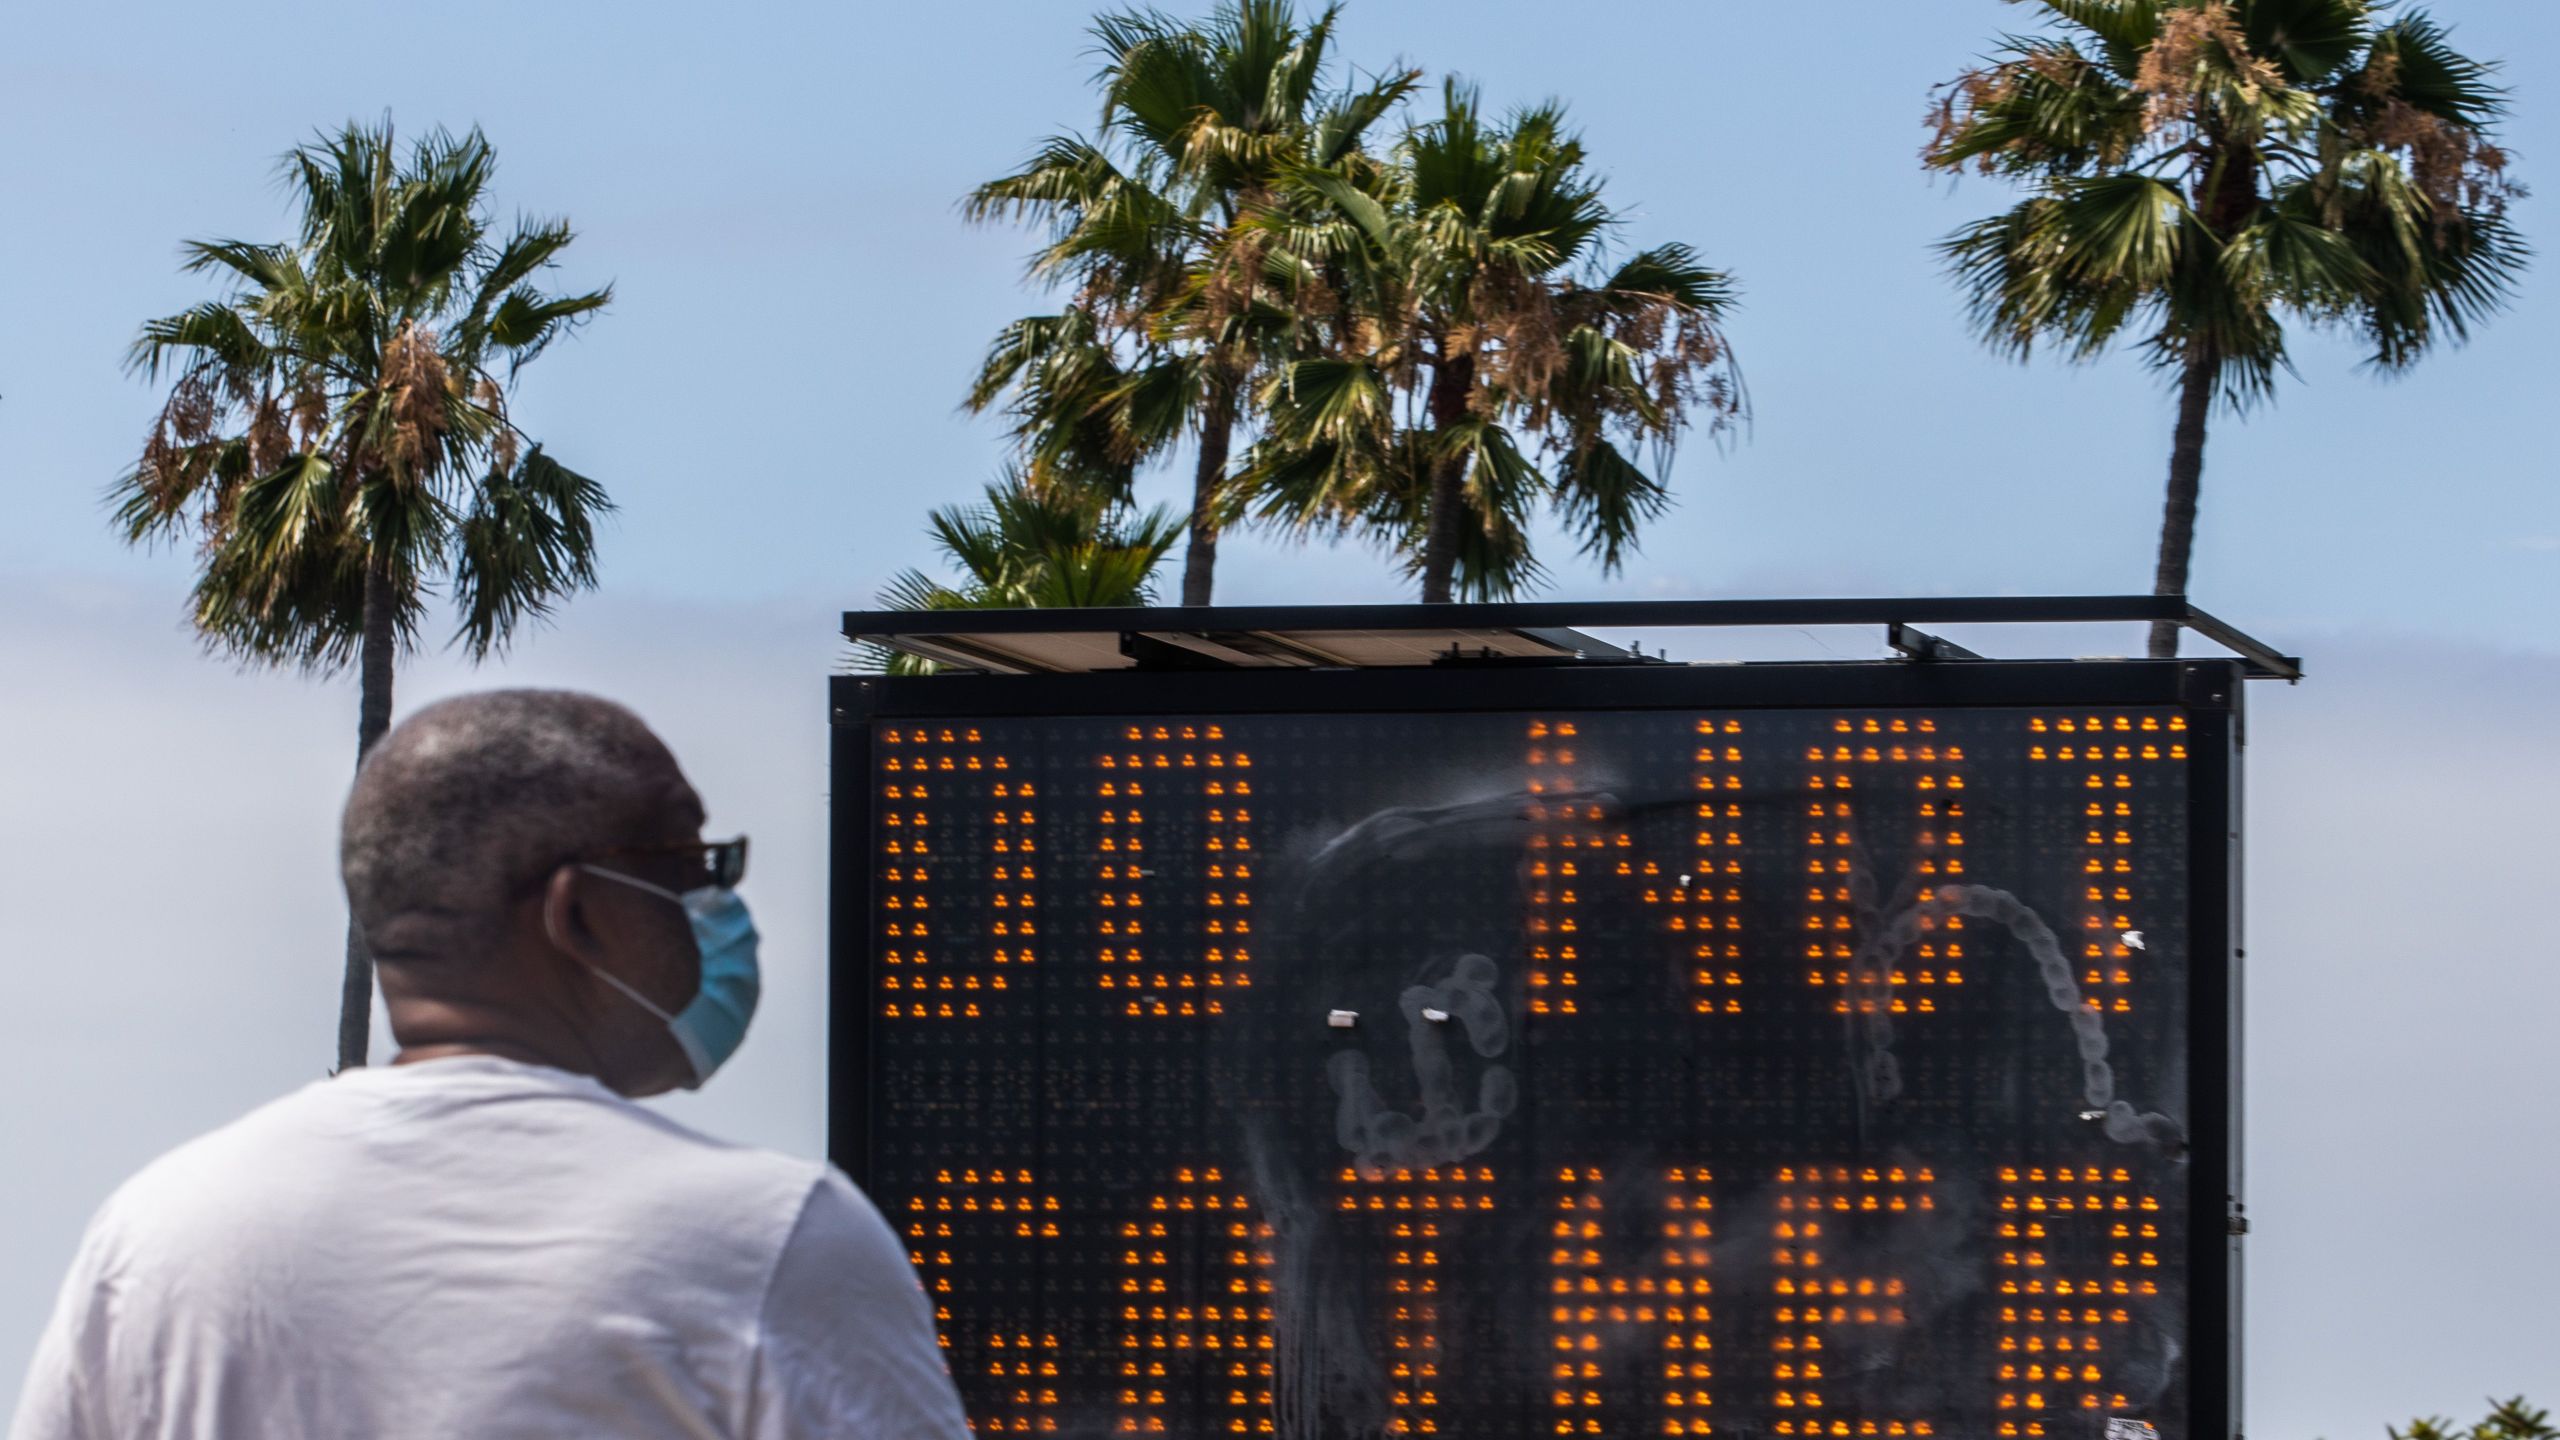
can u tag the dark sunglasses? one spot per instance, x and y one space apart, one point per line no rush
719 864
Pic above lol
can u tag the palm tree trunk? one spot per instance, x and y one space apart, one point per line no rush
2186 479
1450 388
1440 541
373 718
1217 434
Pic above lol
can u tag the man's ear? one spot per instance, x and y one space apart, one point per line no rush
565 917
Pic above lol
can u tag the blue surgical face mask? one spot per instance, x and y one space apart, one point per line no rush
710 1029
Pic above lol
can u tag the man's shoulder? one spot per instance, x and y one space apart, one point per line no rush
301 1151
236 1154
717 1168
838 1231
837 1207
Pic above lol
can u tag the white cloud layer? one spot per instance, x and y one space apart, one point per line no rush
172 927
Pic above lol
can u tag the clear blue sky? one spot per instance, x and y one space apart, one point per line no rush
773 397
772 401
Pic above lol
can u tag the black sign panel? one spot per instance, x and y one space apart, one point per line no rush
1755 1070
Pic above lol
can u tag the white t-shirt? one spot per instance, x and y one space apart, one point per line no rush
477 1248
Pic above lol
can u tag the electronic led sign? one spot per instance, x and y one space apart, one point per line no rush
1308 1064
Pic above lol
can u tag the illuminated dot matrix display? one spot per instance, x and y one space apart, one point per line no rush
1584 1073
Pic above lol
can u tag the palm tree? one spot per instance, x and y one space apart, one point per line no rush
2506 1420
2203 171
1167 319
1028 546
336 436
1486 360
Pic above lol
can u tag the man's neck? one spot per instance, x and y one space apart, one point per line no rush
436 1027
503 1049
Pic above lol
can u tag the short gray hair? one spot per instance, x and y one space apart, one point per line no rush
473 798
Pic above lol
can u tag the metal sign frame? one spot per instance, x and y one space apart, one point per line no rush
2208 690
1205 636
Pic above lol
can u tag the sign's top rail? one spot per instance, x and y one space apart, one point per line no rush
1218 637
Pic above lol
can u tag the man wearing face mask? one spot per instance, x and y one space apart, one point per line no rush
486 1237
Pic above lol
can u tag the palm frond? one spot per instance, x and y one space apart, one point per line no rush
2044 108
1125 227
1291 79
2310 40
431 228
1326 402
527 321
1156 78
1345 124
2286 255
2073 266
1066 174
2414 60
176 486
1606 500
213 332
2428 280
535 246
1148 409
1025 545
527 542
261 267
2123 28
1362 209
1366 480
309 616
1031 341
286 511
1494 558
1674 275
2118 230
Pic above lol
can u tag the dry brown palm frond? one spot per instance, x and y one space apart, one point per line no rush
177 454
1523 337
2381 77
414 391
1953 105
1694 373
179 457
2191 42
270 434
502 443
155 475
2054 63
1231 282
2044 98
2451 163
1317 311
310 411
193 410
